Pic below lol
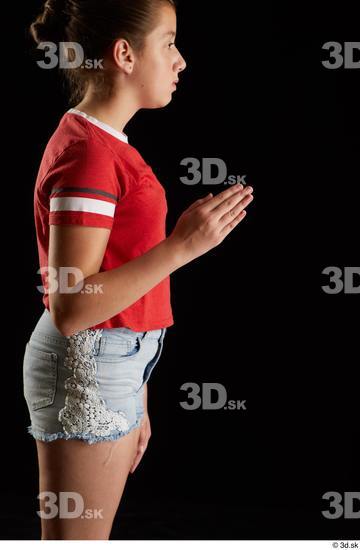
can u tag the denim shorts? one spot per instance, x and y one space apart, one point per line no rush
89 385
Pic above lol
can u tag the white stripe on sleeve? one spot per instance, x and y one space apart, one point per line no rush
82 204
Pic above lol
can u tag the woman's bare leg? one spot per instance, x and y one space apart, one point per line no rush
97 472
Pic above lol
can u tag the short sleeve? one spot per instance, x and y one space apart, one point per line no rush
83 186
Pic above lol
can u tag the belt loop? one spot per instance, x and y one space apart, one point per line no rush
99 343
96 347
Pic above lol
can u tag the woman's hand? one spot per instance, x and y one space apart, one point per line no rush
207 221
145 433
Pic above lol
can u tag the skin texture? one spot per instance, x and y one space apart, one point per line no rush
141 81
144 436
99 472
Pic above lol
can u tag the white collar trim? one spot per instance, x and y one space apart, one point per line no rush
102 125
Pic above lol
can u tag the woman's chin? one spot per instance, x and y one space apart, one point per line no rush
159 103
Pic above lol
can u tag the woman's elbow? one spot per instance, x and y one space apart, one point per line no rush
61 322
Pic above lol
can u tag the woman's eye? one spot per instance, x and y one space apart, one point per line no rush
171 44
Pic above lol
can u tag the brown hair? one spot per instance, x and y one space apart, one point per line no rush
96 25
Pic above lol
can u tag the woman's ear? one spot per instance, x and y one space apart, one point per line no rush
123 55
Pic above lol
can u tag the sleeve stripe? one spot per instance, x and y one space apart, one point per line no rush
82 204
84 190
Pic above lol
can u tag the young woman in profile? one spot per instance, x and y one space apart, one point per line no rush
100 221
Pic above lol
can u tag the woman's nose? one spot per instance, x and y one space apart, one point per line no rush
182 65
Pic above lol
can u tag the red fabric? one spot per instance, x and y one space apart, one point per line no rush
90 177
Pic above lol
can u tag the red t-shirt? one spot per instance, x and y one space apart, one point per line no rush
90 175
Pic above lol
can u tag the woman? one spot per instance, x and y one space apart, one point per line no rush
105 259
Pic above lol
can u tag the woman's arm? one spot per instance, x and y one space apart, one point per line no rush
111 291
201 227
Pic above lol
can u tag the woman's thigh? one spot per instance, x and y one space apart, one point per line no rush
89 386
81 485
85 398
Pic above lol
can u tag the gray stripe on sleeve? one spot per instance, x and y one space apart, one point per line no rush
84 190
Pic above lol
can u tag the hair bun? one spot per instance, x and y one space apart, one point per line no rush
50 24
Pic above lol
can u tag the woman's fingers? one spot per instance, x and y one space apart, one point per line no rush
230 202
222 201
237 209
230 226
229 193
145 433
199 202
235 215
215 201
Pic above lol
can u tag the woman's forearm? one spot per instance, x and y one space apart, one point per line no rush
116 289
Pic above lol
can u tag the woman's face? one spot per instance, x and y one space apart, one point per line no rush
158 67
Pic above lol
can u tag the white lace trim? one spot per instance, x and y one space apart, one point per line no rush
85 410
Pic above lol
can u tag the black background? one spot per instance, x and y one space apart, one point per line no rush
251 313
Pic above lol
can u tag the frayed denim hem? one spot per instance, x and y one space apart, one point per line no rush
88 438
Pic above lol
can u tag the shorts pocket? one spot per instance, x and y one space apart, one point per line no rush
39 377
119 348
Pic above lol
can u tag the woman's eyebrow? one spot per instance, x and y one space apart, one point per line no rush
170 33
